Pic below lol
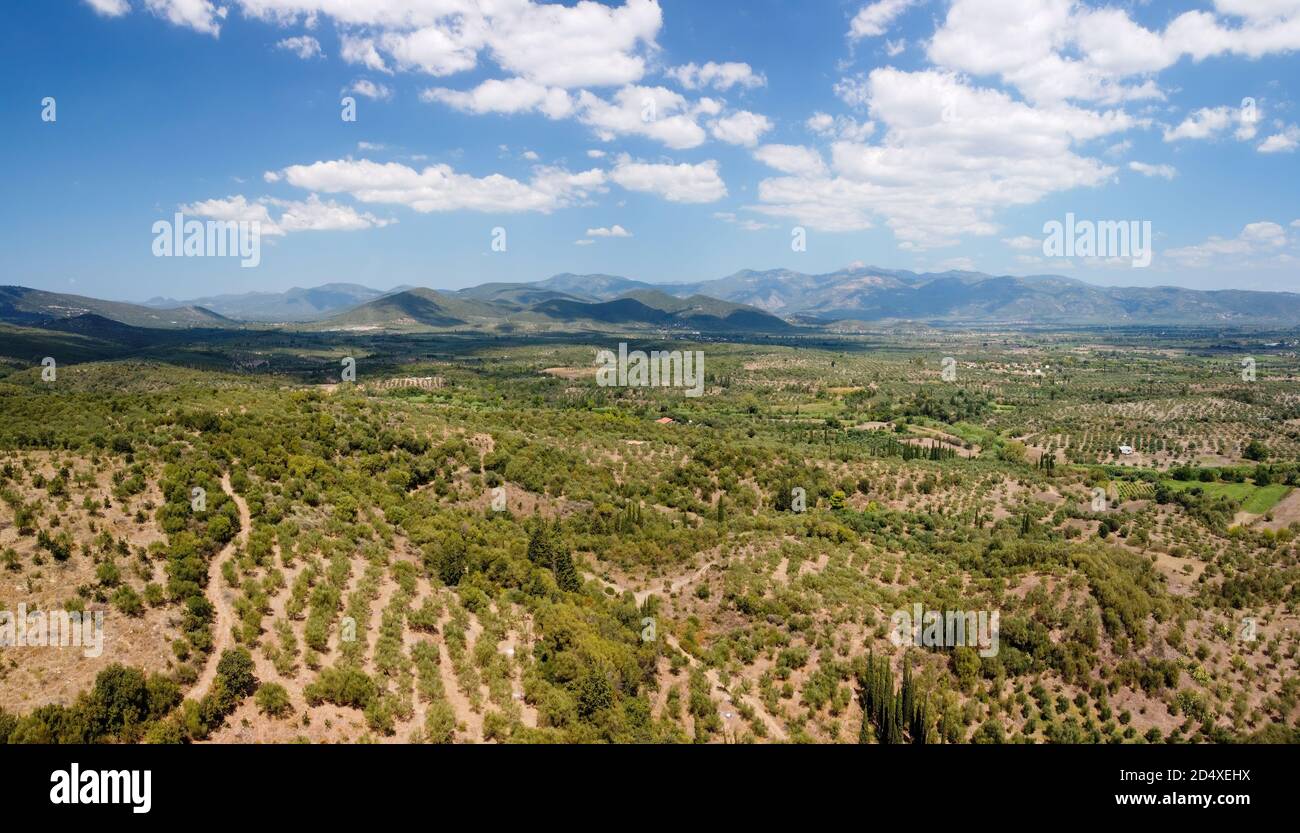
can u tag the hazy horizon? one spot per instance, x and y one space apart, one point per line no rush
405 287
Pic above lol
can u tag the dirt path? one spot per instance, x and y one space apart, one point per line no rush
460 704
658 590
220 595
676 584
509 648
774 728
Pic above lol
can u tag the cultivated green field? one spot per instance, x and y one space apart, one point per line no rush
1253 499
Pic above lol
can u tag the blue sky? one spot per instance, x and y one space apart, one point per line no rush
666 141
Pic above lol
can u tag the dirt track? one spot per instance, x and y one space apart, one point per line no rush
774 728
219 595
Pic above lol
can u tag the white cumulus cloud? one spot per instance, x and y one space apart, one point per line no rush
199 15
952 155
1148 170
312 214
740 128
792 159
109 8
513 95
304 46
369 89
1259 244
682 183
611 231
439 188
874 19
718 76
1286 141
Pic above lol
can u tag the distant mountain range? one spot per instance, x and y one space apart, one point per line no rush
871 294
294 305
523 307
34 307
772 301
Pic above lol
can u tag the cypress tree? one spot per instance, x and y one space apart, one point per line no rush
896 716
905 696
539 545
566 575
920 726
